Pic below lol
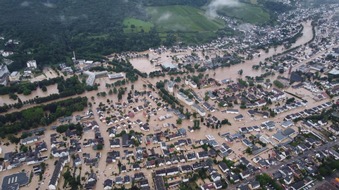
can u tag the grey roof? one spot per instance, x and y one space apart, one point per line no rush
14 181
279 136
288 132
57 170
287 123
159 183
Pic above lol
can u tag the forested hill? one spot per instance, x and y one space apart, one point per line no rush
51 29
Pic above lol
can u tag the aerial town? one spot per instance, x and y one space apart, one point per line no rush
255 111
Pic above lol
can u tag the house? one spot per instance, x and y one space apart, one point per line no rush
215 177
234 177
127 179
136 166
144 183
59 153
53 183
150 164
254 185
279 136
29 140
161 172
92 177
126 141
232 111
4 73
223 167
239 117
207 186
40 147
246 142
288 180
108 183
199 110
334 129
119 180
217 184
172 171
139 176
202 155
184 98
244 161
191 156
114 143
159 183
245 174
186 168
77 160
286 171
197 165
32 64
287 123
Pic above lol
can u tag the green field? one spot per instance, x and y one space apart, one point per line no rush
182 19
247 13
132 25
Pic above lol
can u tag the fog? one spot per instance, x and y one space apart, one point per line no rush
215 5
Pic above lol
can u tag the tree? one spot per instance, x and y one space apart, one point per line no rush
278 84
44 89
240 72
248 150
62 128
225 121
179 121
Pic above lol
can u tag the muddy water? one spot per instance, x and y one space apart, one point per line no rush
52 89
144 65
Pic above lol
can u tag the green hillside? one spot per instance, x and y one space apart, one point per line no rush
182 18
247 13
132 25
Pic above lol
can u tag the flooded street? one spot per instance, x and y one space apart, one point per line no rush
144 65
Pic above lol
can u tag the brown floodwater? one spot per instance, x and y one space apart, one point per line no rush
144 64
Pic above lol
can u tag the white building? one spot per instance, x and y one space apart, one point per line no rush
32 64
4 73
170 86
182 97
14 76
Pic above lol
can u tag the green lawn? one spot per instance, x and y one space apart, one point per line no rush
132 25
247 13
182 19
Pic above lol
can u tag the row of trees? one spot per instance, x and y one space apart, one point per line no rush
27 88
69 87
40 115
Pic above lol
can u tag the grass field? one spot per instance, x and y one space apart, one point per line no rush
132 25
182 19
247 13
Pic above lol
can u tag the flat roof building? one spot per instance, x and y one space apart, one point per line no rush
14 181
